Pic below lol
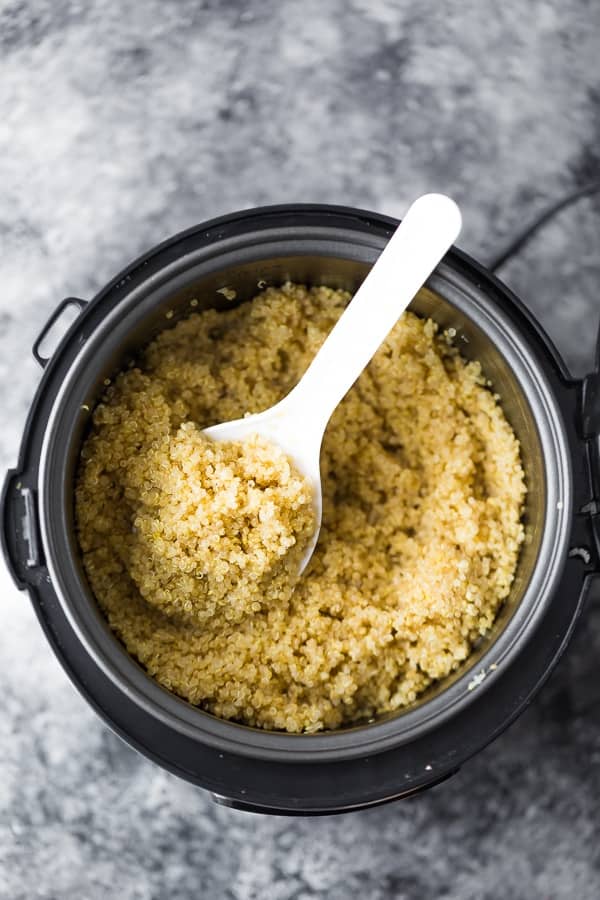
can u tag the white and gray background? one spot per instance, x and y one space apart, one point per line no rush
122 123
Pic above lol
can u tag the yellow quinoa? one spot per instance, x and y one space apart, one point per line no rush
422 496
218 527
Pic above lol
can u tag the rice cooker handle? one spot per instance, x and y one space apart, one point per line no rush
19 535
54 317
590 424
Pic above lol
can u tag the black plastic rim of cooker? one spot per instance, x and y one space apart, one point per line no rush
337 777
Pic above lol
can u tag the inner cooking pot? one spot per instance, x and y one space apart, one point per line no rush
240 270
230 261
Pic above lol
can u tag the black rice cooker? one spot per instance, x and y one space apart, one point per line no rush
557 421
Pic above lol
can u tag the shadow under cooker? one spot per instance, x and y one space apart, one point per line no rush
399 753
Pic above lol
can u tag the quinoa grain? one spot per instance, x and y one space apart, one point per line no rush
422 496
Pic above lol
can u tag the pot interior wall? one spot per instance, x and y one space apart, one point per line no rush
236 284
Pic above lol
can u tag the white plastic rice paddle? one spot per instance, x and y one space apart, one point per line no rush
296 424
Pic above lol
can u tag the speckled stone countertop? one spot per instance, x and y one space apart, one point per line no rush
121 124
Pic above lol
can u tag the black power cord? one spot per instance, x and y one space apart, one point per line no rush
517 243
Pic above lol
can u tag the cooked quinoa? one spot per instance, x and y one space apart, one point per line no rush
422 497
218 526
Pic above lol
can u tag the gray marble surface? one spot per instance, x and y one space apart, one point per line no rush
121 123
